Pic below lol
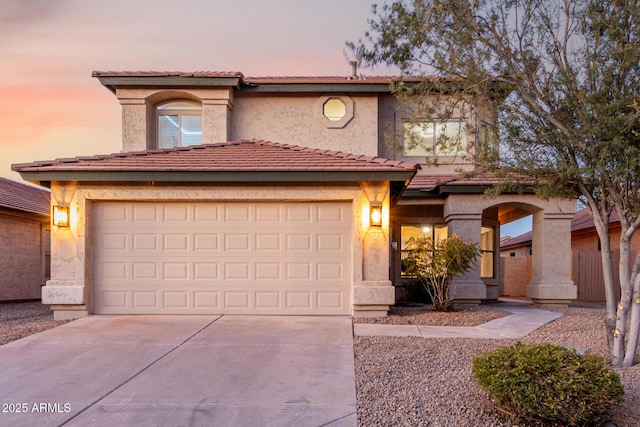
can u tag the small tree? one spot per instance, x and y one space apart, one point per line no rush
563 77
434 263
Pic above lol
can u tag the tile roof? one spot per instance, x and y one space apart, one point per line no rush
167 74
329 79
521 240
429 182
262 79
23 197
234 156
581 221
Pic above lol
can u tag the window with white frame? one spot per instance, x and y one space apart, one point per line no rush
431 138
179 124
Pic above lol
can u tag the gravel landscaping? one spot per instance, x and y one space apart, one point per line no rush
415 381
423 315
428 382
19 320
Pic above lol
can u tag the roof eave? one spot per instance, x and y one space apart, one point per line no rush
318 88
43 177
478 189
114 82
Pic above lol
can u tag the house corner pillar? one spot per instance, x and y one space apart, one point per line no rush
373 296
134 124
216 117
65 291
551 259
468 288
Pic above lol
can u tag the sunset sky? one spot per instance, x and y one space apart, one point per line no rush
51 107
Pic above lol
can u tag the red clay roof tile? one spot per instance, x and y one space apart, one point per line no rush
167 74
238 156
263 79
429 182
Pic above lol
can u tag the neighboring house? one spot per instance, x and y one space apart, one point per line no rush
519 246
24 240
586 261
238 195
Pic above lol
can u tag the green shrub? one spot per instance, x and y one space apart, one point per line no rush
548 384
435 262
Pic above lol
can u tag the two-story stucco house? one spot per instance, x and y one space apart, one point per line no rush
272 195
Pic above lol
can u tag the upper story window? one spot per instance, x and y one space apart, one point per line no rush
429 138
179 124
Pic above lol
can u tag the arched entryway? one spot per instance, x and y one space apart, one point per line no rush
478 219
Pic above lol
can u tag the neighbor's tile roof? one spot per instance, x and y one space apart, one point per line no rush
582 220
234 156
23 197
521 240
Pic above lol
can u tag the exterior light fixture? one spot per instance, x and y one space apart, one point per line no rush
61 216
375 212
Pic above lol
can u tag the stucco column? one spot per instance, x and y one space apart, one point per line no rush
551 259
216 116
468 288
65 291
134 124
372 297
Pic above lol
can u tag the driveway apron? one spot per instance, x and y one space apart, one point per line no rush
182 371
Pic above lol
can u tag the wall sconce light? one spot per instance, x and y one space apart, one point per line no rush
60 216
375 212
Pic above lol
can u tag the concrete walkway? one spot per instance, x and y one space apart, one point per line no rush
522 321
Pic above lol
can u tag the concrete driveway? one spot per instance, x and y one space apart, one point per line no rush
182 371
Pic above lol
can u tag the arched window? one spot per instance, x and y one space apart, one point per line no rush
179 124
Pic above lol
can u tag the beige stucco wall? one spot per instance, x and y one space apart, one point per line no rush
139 119
226 115
22 257
69 289
296 120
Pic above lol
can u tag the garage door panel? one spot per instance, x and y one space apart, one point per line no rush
266 214
222 258
237 213
298 213
331 214
205 242
206 213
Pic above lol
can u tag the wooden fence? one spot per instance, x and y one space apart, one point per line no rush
586 274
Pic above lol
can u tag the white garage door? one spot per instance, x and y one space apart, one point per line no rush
221 258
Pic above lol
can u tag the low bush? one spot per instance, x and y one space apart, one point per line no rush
549 385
